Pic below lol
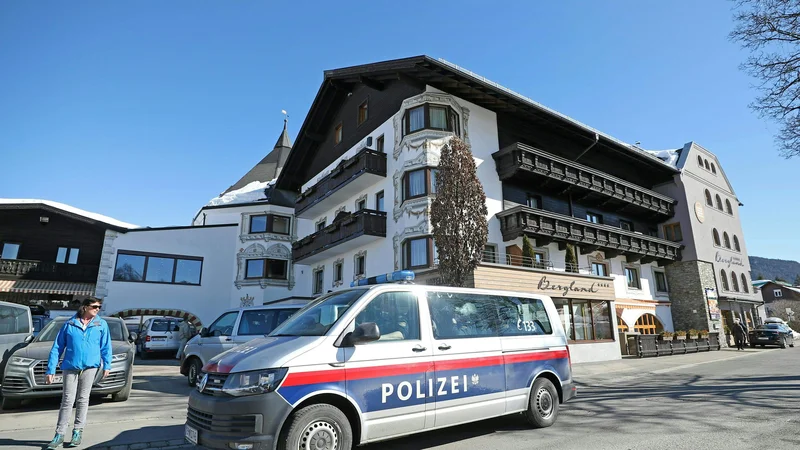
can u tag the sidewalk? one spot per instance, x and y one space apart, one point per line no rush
630 367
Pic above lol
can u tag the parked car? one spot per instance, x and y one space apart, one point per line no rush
159 334
232 328
772 334
39 323
16 325
25 372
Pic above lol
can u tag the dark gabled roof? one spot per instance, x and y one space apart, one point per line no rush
420 71
270 167
65 210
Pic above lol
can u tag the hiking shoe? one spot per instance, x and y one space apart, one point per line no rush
56 442
76 438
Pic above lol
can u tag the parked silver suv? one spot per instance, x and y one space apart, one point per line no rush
25 372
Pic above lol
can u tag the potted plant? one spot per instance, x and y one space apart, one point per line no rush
693 334
704 334
680 335
667 336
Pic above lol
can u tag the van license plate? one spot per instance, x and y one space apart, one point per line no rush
191 435
159 338
58 379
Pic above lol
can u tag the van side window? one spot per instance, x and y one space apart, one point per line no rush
395 313
13 320
284 314
457 315
256 322
521 316
223 326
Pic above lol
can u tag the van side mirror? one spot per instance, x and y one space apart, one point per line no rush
204 332
29 339
133 337
364 333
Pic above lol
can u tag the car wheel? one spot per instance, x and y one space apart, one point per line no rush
11 403
195 366
123 395
318 426
543 405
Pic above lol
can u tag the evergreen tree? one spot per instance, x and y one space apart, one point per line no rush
797 280
571 259
458 215
760 276
527 252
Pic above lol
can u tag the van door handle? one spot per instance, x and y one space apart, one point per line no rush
445 347
228 339
418 349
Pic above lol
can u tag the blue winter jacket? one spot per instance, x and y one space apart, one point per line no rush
82 349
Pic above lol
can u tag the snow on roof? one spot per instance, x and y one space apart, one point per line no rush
668 156
67 208
251 192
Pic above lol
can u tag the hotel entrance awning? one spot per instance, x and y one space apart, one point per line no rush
46 287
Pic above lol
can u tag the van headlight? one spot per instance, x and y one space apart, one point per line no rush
20 361
254 382
119 357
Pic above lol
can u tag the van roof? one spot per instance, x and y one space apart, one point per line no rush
411 286
282 305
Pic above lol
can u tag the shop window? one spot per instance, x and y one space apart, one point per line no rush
585 320
648 324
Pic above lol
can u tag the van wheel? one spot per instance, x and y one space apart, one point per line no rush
194 371
11 403
543 406
320 426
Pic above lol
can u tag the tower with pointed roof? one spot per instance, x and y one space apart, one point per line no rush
270 166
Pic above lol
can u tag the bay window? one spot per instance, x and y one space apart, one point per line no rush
431 117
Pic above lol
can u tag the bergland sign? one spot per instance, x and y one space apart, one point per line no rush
554 284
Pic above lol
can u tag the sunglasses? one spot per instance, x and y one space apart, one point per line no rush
94 306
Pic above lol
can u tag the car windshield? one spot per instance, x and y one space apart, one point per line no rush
50 331
316 318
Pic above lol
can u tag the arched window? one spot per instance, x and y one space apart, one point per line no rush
713 169
736 244
706 164
719 202
728 207
744 284
716 237
725 240
709 202
734 282
648 324
622 327
699 160
724 280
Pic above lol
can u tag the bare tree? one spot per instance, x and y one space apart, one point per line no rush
770 30
458 215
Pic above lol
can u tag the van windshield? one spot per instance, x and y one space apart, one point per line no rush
316 318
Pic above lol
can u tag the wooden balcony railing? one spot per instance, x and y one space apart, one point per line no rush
520 159
47 271
547 226
345 228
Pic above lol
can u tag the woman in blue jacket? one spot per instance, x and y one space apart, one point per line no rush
85 344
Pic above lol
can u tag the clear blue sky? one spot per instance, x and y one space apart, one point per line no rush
145 110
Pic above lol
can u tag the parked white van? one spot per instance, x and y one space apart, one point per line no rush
379 362
233 327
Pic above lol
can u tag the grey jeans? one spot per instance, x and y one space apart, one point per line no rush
75 382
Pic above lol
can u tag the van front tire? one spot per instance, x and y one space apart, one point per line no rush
318 426
543 405
193 372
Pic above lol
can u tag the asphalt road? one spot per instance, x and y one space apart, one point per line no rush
719 400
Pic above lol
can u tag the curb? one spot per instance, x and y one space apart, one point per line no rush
162 445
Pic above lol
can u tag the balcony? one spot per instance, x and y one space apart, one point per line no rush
347 232
350 177
22 269
556 174
547 227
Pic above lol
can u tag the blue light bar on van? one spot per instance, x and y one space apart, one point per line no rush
400 275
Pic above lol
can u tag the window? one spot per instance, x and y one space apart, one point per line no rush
273 269
699 160
672 232
321 225
534 201
223 326
270 223
705 163
158 268
363 112
380 143
338 272
599 269
539 260
725 240
626 225
337 134
728 207
661 281
777 293
744 284
434 117
419 183
632 277
319 280
361 204
395 313
723 280
585 320
719 202
716 237
648 324
379 201
713 169
417 253
14 320
594 217
360 265
457 315
709 201
521 316
490 253
262 321
10 250
734 282
653 232
67 255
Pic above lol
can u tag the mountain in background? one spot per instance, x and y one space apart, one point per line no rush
774 268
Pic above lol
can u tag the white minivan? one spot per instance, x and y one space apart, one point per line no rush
234 327
378 362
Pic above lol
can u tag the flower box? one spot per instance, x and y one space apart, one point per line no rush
681 338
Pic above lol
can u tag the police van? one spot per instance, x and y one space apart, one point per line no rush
381 361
